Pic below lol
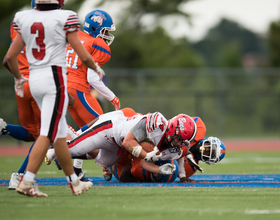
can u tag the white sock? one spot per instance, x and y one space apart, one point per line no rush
78 163
72 178
29 176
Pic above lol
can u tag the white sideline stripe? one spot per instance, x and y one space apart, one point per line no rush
260 211
251 159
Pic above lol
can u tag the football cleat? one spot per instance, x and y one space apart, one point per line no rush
107 173
14 181
78 187
79 172
49 156
29 189
3 127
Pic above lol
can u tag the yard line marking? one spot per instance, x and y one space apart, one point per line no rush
262 211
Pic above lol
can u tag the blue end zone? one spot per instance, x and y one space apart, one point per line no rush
244 180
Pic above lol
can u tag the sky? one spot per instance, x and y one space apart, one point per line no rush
255 15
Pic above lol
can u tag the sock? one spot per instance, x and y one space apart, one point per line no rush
17 131
29 176
78 163
25 162
77 171
72 178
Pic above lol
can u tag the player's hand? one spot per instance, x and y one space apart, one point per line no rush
116 103
193 164
19 85
186 180
99 71
153 156
167 169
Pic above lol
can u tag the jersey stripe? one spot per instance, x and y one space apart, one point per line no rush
59 102
90 132
101 49
83 100
151 122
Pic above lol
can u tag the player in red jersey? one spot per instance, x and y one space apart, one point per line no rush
45 31
28 114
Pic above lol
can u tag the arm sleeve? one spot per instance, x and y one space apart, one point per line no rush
182 172
139 130
93 79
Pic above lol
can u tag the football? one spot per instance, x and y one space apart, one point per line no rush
147 146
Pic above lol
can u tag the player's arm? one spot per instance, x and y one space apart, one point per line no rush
132 139
83 54
165 169
10 59
100 87
132 146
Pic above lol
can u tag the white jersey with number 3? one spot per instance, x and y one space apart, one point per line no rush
44 33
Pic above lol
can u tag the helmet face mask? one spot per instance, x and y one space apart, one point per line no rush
212 150
98 23
175 145
181 126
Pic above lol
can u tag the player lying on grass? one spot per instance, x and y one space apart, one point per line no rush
130 169
112 133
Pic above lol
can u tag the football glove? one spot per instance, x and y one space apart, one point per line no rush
116 103
167 169
19 85
193 164
152 156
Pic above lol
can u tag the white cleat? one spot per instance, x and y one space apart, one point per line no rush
29 188
14 181
3 127
49 156
78 187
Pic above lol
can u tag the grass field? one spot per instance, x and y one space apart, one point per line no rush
149 202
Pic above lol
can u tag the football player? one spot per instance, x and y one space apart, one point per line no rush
210 150
45 31
96 38
112 132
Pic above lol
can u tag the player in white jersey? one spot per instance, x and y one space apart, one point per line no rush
111 134
45 31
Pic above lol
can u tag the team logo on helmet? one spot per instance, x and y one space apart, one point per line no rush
97 19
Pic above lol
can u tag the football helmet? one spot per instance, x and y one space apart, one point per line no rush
212 150
57 2
97 22
181 125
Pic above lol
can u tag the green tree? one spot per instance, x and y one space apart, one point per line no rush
227 33
274 44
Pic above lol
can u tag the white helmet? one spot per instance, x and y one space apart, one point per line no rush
57 2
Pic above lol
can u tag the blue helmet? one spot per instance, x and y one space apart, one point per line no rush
33 3
97 23
212 150
161 178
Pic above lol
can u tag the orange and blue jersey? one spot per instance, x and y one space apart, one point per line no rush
77 72
22 60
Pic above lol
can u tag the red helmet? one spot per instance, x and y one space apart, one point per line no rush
182 125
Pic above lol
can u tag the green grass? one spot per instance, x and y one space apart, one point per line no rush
149 202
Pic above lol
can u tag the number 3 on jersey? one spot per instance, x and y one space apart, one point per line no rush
40 53
71 61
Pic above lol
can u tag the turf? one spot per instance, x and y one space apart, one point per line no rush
149 202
